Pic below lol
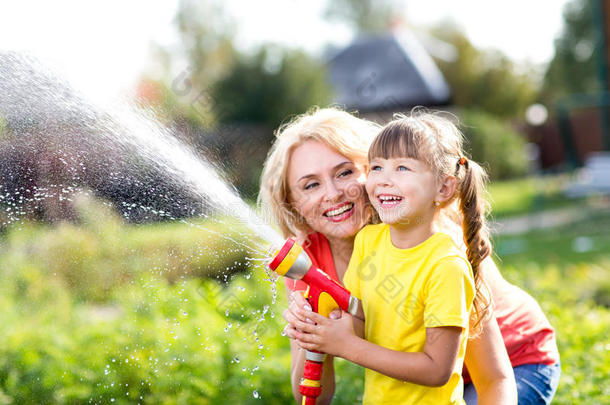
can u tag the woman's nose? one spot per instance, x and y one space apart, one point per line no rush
332 191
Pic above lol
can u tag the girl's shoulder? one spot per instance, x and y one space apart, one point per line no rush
371 232
373 229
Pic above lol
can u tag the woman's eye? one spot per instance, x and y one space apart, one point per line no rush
346 172
311 185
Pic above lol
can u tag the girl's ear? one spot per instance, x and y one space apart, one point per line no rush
446 189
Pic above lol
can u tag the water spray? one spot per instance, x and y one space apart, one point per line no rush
323 294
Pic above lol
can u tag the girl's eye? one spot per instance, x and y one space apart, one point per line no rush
311 185
346 172
375 168
402 168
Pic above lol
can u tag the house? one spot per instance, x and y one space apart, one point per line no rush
383 74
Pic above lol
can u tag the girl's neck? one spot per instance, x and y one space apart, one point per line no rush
341 250
405 237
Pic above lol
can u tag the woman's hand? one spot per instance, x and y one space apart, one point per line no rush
327 335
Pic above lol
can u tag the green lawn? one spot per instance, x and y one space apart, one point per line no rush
568 270
531 194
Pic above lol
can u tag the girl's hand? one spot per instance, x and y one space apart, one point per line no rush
326 335
291 315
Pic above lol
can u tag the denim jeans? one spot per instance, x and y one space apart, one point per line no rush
536 384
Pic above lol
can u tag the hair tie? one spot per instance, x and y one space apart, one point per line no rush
462 161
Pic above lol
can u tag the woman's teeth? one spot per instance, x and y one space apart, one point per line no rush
339 211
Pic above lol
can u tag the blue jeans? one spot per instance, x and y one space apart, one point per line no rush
536 384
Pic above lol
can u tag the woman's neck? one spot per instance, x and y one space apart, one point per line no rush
341 250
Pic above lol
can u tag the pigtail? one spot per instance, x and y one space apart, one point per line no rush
474 209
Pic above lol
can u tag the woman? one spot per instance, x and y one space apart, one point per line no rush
312 182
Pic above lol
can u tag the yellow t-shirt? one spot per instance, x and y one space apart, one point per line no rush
403 292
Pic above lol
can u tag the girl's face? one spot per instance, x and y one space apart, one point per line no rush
402 190
326 189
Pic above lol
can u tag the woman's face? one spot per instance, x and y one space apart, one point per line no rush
327 189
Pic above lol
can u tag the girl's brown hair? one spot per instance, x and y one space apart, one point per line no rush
435 140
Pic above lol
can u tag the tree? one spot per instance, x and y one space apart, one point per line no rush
485 80
573 69
206 53
368 16
257 90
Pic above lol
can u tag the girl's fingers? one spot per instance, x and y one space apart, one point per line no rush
297 308
297 298
287 315
305 326
307 346
306 337
290 332
317 318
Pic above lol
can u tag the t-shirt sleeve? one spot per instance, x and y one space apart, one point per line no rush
351 279
449 294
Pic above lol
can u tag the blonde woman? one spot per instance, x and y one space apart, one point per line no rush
312 183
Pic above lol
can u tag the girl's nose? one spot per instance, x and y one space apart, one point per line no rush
384 179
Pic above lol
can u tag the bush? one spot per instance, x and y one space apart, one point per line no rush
102 252
494 144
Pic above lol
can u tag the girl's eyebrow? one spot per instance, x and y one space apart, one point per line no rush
337 166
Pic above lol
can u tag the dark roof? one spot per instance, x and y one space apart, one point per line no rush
386 73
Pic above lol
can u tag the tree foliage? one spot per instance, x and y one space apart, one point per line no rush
269 88
493 143
368 16
573 69
485 80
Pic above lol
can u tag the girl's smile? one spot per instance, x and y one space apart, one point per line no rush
402 190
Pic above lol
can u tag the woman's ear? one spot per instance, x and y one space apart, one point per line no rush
446 189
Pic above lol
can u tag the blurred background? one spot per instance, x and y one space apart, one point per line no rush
114 292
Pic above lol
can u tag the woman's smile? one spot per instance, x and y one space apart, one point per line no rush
340 212
325 189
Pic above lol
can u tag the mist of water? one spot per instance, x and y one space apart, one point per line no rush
33 97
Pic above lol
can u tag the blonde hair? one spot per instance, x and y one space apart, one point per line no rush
339 130
437 141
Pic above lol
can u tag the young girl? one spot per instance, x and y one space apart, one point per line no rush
417 287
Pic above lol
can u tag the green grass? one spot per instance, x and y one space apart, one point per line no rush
567 270
531 194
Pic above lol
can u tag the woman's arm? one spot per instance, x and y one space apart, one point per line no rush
486 357
489 366
432 367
